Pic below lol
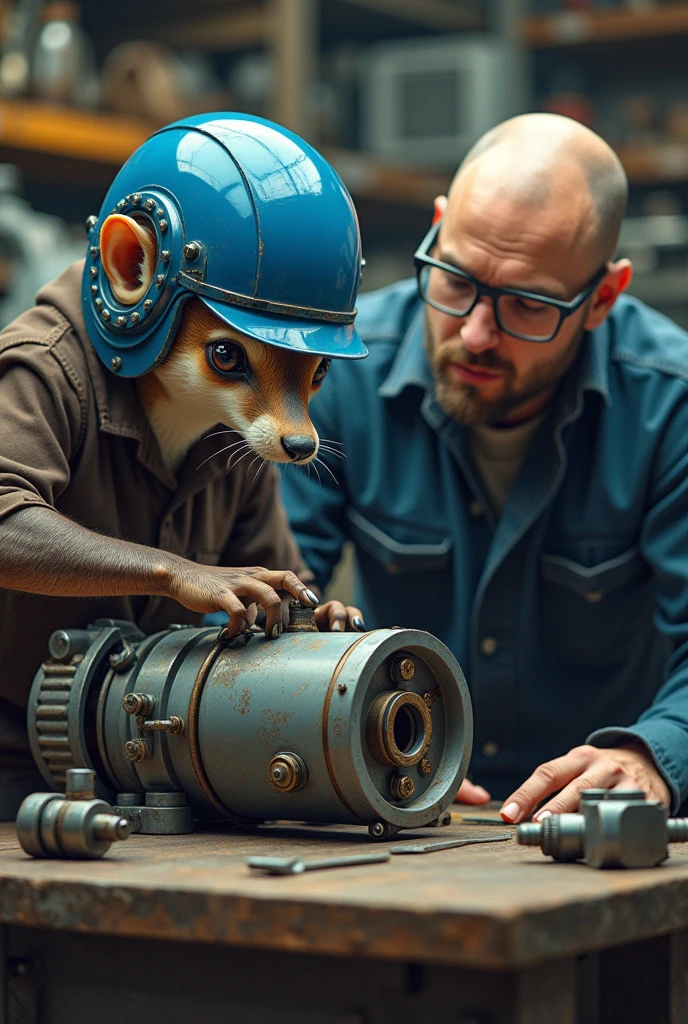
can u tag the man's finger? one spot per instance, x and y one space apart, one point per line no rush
605 775
546 779
469 793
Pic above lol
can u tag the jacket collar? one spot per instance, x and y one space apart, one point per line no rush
411 369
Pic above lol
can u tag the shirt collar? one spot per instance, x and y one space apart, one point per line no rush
410 366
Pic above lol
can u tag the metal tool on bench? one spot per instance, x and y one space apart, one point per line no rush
76 826
346 728
448 844
616 828
294 865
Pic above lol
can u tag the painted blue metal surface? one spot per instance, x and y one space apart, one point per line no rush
276 226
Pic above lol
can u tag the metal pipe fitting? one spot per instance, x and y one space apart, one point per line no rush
76 826
615 828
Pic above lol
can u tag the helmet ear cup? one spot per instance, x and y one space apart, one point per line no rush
129 254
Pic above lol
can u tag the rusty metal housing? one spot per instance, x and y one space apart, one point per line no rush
313 727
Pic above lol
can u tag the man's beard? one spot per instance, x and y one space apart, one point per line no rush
466 404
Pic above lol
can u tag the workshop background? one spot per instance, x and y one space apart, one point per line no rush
392 91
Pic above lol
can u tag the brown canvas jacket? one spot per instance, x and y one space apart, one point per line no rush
74 437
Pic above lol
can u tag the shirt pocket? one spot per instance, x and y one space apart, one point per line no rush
393 555
589 612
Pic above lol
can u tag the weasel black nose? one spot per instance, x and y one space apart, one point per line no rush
298 446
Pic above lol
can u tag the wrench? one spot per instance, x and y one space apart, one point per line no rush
447 844
295 866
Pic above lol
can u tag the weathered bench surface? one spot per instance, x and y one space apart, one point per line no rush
493 906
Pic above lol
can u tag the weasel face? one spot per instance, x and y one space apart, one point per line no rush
213 374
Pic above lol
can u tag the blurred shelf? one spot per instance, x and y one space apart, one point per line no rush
573 28
81 135
655 164
446 15
662 287
242 27
104 139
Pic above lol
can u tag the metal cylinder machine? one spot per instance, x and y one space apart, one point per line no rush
372 728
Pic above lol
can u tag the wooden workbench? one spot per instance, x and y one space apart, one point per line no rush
165 930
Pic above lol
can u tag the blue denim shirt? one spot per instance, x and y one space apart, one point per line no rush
568 615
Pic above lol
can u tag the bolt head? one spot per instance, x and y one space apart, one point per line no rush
94 252
342 688
136 198
149 204
425 767
148 304
134 318
93 271
116 364
403 670
403 787
91 222
163 226
192 250
98 304
121 321
94 289
105 314
287 772
165 255
160 280
378 829
122 205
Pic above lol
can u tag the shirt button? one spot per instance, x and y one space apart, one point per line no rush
488 645
475 509
490 749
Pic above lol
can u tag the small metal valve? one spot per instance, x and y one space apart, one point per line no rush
614 829
76 826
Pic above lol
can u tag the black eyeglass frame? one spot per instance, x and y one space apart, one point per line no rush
565 309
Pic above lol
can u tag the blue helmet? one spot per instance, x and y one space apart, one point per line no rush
249 218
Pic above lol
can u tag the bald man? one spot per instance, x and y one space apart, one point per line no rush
516 475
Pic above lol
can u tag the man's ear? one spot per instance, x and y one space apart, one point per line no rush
617 280
129 255
439 206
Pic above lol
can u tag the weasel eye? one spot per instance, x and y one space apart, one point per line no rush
319 376
226 357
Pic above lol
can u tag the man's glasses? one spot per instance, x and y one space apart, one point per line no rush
524 315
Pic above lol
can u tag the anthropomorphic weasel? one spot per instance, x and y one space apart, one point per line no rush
220 279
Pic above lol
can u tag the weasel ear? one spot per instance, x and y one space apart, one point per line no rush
129 253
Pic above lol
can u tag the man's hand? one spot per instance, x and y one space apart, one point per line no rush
337 618
469 793
586 767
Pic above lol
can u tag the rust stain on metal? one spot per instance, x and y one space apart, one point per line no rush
244 704
271 725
